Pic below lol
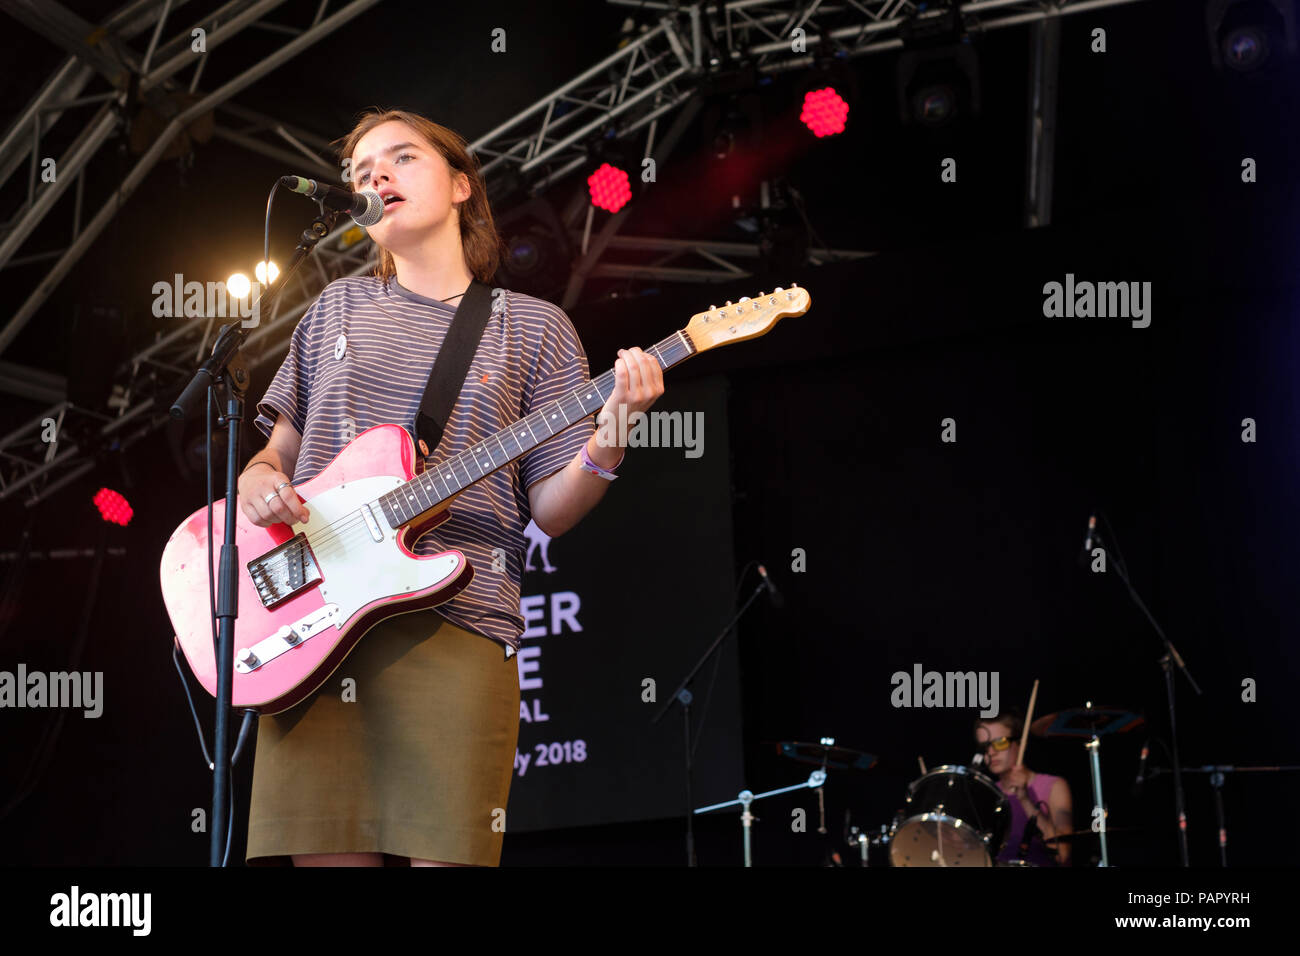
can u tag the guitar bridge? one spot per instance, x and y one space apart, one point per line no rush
288 570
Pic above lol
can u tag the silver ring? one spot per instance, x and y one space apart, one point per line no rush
271 497
279 486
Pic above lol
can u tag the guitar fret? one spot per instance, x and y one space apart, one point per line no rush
439 483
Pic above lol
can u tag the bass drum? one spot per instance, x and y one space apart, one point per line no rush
954 816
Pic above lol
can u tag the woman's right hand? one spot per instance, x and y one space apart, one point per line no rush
263 503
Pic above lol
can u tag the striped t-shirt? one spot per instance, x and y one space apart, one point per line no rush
529 355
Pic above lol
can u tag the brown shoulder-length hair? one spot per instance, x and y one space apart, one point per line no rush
479 239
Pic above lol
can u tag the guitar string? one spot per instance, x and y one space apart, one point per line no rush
334 531
321 541
326 540
344 533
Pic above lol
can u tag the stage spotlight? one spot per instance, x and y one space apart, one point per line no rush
113 507
824 112
1244 34
537 257
609 187
238 285
733 124
938 87
527 252
262 271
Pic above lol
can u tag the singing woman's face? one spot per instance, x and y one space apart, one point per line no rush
417 185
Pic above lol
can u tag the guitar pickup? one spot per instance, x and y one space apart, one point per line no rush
249 659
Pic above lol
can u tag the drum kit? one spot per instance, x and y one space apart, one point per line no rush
957 816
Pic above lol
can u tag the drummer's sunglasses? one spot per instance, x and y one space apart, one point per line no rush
998 745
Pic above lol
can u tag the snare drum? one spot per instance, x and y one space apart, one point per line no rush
954 816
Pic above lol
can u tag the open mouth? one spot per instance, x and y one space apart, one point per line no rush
392 199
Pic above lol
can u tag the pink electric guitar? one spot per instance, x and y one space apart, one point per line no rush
308 593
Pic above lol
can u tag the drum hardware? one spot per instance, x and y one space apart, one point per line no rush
1217 779
866 841
1092 723
746 797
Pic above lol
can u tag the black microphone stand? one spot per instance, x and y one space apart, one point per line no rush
224 372
1167 660
684 697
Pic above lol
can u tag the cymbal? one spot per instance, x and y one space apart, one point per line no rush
1086 722
829 755
1065 837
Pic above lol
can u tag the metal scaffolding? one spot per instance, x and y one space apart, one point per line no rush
655 76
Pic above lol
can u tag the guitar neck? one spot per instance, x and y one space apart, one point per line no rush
435 485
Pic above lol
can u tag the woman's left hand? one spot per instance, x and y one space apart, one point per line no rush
638 382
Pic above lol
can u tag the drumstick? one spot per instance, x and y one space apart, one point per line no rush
1029 719
922 763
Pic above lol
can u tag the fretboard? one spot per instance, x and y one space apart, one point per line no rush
451 476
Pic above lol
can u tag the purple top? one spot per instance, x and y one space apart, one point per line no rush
1039 853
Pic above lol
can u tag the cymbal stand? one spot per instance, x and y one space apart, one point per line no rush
1093 747
745 798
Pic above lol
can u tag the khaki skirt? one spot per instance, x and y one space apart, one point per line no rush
418 765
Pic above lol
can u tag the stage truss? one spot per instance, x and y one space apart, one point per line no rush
653 76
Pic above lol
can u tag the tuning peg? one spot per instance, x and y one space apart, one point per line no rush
728 303
794 285
778 289
744 298
713 308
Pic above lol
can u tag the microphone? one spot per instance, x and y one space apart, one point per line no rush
366 207
772 592
1086 551
1142 769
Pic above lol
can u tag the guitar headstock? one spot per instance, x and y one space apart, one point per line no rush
746 319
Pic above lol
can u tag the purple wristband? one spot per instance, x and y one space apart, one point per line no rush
592 468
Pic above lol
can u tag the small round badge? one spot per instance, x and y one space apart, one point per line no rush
340 346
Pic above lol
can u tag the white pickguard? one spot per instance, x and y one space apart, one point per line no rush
355 568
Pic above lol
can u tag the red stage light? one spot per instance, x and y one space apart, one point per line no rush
609 187
824 112
113 507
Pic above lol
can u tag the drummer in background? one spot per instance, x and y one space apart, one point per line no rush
1030 794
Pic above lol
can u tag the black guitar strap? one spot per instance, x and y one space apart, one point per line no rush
449 369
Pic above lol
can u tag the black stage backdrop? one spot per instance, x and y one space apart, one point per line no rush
649 582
